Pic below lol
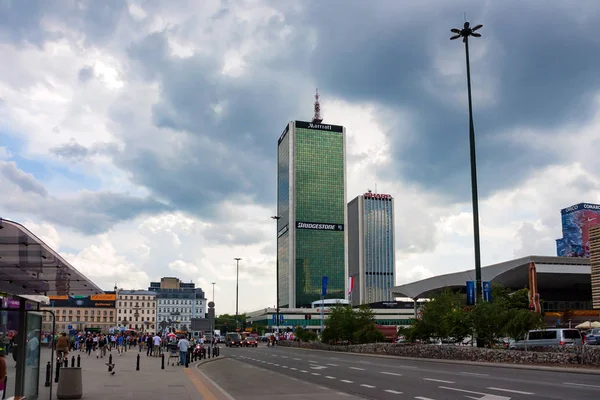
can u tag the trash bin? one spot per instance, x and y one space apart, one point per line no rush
70 385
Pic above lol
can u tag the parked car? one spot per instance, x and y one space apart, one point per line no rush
593 336
548 337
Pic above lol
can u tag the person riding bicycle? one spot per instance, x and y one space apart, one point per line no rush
63 345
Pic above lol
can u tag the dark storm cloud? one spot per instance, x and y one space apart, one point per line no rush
227 154
20 21
543 59
542 62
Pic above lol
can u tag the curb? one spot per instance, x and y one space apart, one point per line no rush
536 367
208 360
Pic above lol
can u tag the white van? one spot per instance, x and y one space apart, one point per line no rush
548 337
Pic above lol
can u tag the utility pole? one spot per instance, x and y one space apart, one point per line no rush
237 288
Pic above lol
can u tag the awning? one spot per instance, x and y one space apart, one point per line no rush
30 267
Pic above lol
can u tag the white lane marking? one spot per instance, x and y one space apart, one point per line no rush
317 367
365 362
277 365
284 366
474 374
297 359
509 390
303 370
406 366
284 356
390 373
461 390
332 365
294 369
422 398
581 384
330 377
486 396
346 381
356 368
367 386
313 362
315 373
437 380
394 392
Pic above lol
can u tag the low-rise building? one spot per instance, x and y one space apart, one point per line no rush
136 309
94 313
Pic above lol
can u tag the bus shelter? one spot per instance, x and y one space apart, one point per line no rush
29 269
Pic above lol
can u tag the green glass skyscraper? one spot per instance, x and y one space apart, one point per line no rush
311 206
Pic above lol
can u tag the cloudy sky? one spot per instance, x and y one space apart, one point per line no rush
138 138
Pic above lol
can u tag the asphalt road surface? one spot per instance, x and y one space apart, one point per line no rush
388 378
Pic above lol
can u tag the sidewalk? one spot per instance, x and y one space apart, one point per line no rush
149 383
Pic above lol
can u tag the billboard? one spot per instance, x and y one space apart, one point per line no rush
577 221
95 301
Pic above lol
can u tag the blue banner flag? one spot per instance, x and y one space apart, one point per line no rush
274 319
487 292
324 286
470 293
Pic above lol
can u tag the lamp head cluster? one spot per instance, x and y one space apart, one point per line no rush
466 31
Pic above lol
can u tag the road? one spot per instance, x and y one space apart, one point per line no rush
389 378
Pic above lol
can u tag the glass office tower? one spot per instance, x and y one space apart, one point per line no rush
371 251
311 202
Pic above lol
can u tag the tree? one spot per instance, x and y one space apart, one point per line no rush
305 335
347 325
445 317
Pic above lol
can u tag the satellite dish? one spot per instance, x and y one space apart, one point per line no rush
211 304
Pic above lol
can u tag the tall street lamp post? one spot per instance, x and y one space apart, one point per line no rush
465 32
213 283
277 218
237 281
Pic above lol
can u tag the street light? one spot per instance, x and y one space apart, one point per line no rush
213 283
237 284
465 32
277 218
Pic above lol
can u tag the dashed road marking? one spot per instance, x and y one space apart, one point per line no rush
332 365
473 374
284 356
277 365
330 377
422 398
346 381
356 368
284 366
315 373
390 373
294 369
367 386
304 371
581 384
437 380
393 391
297 359
509 390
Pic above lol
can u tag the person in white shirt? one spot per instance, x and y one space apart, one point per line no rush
183 346
156 345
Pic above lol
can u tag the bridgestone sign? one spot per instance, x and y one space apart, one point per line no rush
319 226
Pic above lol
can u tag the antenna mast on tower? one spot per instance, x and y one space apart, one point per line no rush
317 118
